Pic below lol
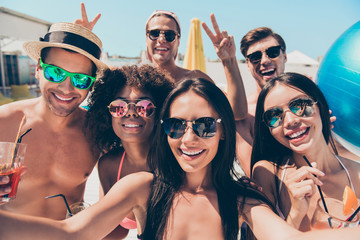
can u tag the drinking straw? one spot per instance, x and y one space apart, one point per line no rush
20 138
17 147
64 198
16 140
321 194
353 215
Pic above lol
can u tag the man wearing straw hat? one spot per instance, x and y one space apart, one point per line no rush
59 156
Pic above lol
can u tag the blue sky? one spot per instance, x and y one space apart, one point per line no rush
310 26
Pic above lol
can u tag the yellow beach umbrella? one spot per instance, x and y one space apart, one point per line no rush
194 55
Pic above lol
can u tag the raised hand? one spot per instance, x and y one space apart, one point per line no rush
223 43
84 21
301 185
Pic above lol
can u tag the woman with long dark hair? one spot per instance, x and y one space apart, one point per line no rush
292 130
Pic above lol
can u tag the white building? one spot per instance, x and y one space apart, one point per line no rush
16 28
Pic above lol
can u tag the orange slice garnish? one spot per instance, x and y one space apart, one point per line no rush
350 201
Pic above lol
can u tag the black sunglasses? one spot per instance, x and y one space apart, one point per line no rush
301 107
170 35
204 127
271 52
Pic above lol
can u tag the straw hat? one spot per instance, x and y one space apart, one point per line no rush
68 36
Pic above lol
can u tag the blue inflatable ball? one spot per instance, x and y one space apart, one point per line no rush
339 79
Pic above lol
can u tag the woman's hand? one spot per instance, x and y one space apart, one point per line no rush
301 185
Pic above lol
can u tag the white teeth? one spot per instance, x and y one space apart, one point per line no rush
192 153
268 70
63 99
131 125
161 49
294 135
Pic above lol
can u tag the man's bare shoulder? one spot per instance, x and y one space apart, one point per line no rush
17 108
11 115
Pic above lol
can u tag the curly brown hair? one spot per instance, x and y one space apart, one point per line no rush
144 78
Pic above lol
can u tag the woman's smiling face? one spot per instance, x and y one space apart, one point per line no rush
132 127
192 152
296 133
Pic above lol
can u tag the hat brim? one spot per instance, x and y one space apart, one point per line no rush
33 49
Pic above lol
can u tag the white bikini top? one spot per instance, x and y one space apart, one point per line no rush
283 176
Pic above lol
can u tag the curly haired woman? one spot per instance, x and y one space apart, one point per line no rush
124 106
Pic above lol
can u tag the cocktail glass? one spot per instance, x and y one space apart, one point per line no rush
335 218
76 208
11 160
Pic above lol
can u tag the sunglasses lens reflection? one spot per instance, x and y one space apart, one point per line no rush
119 108
302 107
81 81
54 74
145 108
57 75
174 128
273 117
203 127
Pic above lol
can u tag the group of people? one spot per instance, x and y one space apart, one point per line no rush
166 139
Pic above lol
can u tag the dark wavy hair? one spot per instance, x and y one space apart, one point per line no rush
265 145
169 176
144 78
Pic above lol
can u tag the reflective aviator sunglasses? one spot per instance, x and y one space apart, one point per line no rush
57 75
204 127
170 35
119 108
271 52
301 107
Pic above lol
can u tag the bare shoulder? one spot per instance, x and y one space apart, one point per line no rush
17 108
110 160
262 171
353 167
264 165
108 167
11 115
264 175
350 163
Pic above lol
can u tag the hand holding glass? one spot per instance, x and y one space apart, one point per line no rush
11 160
